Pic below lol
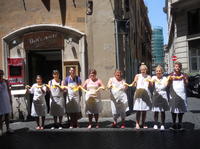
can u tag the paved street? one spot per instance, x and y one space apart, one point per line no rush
191 119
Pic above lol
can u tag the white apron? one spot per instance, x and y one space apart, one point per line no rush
73 99
93 101
57 103
178 99
39 103
142 94
160 99
119 101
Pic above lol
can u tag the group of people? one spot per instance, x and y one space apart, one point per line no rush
65 96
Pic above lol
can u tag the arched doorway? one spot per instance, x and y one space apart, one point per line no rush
39 49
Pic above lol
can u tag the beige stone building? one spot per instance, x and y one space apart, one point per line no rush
41 35
184 34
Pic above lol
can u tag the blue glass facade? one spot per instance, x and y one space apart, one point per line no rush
157 47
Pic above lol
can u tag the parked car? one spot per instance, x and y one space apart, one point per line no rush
193 89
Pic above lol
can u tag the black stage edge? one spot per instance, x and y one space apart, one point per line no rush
103 138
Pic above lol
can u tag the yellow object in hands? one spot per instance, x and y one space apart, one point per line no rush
157 81
149 80
56 86
116 88
175 77
39 86
129 85
75 88
27 87
100 88
83 89
88 91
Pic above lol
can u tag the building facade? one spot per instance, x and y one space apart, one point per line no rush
43 35
184 33
133 33
157 47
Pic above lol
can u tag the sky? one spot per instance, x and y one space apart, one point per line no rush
157 16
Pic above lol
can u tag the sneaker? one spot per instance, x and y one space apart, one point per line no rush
52 128
145 127
60 128
71 127
155 127
162 127
41 128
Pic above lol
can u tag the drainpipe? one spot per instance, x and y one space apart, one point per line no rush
116 43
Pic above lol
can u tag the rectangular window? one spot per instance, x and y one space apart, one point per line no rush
194 63
194 22
15 71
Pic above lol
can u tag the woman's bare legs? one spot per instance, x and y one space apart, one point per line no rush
138 113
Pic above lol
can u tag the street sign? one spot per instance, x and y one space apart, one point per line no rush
174 58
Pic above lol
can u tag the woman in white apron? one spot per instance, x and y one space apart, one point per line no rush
159 99
73 107
119 101
38 108
178 100
93 101
57 103
142 96
5 102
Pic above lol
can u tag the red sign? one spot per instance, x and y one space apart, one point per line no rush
16 71
174 58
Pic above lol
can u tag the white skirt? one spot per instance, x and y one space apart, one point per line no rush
140 105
